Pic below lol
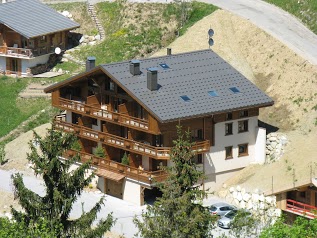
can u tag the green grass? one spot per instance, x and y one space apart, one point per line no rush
200 10
142 38
305 10
13 110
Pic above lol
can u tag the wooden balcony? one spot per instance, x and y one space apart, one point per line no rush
148 177
25 53
161 153
104 115
301 209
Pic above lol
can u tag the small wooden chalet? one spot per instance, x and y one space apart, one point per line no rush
132 108
30 32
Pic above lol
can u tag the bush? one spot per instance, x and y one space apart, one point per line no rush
100 152
125 159
2 155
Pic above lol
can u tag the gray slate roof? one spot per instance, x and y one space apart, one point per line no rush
192 74
32 18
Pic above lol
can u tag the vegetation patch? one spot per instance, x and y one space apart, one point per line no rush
305 10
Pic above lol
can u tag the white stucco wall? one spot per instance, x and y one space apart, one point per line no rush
131 192
101 184
27 63
215 161
2 63
260 145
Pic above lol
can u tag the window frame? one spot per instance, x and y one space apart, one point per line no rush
245 126
243 113
229 156
227 127
246 150
229 116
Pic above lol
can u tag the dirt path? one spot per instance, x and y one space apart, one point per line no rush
286 77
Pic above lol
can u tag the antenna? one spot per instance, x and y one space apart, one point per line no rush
210 34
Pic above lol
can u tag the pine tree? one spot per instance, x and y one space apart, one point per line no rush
62 189
179 212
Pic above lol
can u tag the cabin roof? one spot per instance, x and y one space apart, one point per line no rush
195 84
31 18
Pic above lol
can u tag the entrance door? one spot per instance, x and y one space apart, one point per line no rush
14 65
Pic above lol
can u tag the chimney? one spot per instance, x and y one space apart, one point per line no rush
90 63
135 67
152 79
169 51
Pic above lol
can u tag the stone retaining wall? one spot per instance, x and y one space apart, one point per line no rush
275 143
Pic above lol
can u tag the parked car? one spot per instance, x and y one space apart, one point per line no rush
220 208
228 218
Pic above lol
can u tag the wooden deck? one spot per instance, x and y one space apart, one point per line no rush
147 177
161 153
301 209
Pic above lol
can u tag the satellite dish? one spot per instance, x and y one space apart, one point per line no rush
58 50
210 42
211 32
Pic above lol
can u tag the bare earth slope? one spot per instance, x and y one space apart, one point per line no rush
289 79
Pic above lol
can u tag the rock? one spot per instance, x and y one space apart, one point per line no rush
242 204
273 138
250 205
243 191
91 38
268 200
82 39
246 197
238 188
235 194
97 37
8 215
64 60
269 147
92 43
261 198
70 15
273 144
231 189
60 71
255 197
273 134
239 196
65 13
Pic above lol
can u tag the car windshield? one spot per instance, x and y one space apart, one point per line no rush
231 214
213 208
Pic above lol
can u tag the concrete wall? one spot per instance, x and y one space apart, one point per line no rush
28 63
131 192
101 184
3 63
260 145
217 168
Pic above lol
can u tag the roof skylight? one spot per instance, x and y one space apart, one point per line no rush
235 90
164 66
185 98
213 93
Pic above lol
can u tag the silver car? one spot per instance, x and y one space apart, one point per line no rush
226 220
220 208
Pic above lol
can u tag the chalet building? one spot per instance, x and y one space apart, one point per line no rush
30 32
133 108
299 200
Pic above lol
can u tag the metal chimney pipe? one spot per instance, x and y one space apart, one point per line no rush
169 51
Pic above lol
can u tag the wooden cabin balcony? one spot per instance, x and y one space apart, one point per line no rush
25 53
301 209
104 115
161 153
104 164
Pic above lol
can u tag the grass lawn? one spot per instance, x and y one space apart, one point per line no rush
305 10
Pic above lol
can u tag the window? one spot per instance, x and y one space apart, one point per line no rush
242 126
94 122
229 116
198 159
164 66
109 86
228 152
243 149
213 94
197 134
234 90
185 98
243 113
228 129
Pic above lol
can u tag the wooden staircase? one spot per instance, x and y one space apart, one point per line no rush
93 15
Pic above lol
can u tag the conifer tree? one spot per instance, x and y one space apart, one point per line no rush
62 189
179 212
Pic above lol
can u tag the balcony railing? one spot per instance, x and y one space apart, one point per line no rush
148 177
302 209
162 153
25 53
104 114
